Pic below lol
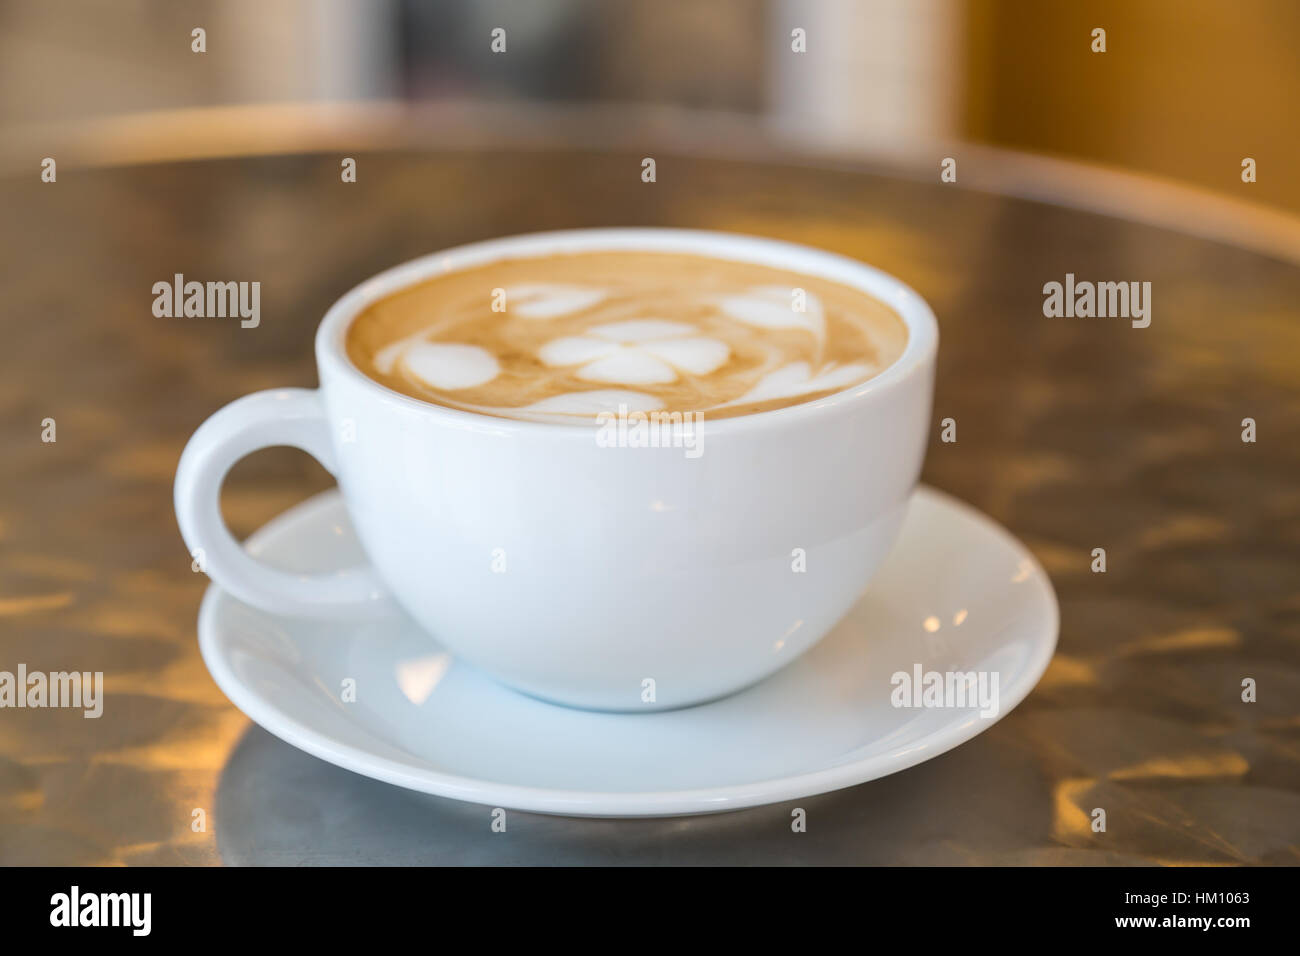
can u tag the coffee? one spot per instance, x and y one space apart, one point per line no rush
563 338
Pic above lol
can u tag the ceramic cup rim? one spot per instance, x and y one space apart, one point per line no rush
918 354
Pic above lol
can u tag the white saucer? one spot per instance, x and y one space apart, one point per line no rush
957 594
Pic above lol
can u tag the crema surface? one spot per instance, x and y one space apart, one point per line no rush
564 338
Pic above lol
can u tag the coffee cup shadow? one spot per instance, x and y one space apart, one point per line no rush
980 803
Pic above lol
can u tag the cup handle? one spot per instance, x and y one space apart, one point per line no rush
285 416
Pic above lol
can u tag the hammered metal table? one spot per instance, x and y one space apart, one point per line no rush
1075 433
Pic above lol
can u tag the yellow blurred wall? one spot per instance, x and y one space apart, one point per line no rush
1185 89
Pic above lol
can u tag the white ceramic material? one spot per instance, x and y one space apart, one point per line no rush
584 574
957 593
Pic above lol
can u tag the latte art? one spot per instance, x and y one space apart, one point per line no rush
564 338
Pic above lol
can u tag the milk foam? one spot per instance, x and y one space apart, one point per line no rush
637 352
771 307
450 367
592 403
547 300
693 334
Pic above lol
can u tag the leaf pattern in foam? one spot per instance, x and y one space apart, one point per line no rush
590 403
544 300
637 352
797 379
772 307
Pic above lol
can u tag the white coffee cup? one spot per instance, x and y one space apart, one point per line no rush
603 577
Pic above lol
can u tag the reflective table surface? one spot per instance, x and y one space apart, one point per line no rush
1076 433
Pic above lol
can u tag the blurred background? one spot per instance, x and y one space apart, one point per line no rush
1184 90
